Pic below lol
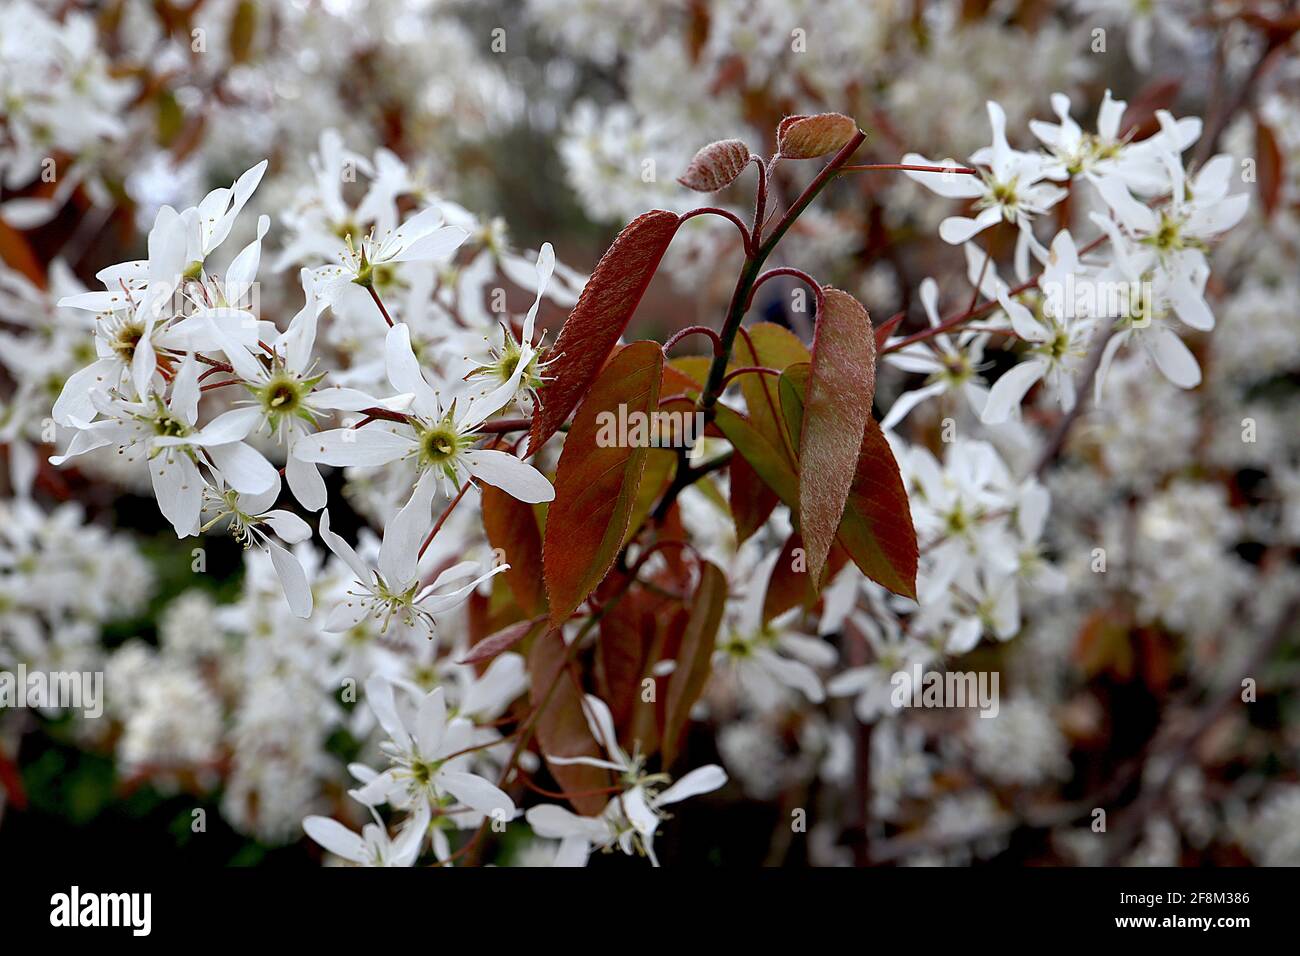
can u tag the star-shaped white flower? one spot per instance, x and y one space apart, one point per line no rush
395 591
427 765
435 439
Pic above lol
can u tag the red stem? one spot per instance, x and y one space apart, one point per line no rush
882 167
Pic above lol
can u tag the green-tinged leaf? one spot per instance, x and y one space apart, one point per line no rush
694 659
511 527
603 310
773 347
596 488
243 27
876 527
171 118
694 368
660 465
562 729
837 406
792 387
768 461
807 137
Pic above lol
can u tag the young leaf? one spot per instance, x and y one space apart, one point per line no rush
603 310
562 729
770 462
690 371
1271 173
511 529
807 137
501 641
660 465
694 659
243 29
750 499
716 166
773 347
620 654
790 584
596 487
876 528
837 406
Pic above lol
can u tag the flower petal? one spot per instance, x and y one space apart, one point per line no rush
515 477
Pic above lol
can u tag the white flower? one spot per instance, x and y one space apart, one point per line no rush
247 515
422 238
140 306
1058 340
426 763
436 439
1140 21
1107 153
632 818
515 365
768 659
206 226
950 367
1147 318
165 432
284 385
396 590
954 508
374 847
1176 236
1012 189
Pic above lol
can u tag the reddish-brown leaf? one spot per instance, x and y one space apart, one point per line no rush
603 310
501 641
1270 172
876 527
694 658
837 407
716 166
790 584
806 137
488 613
511 528
625 632
750 498
596 488
660 466
562 729
17 253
